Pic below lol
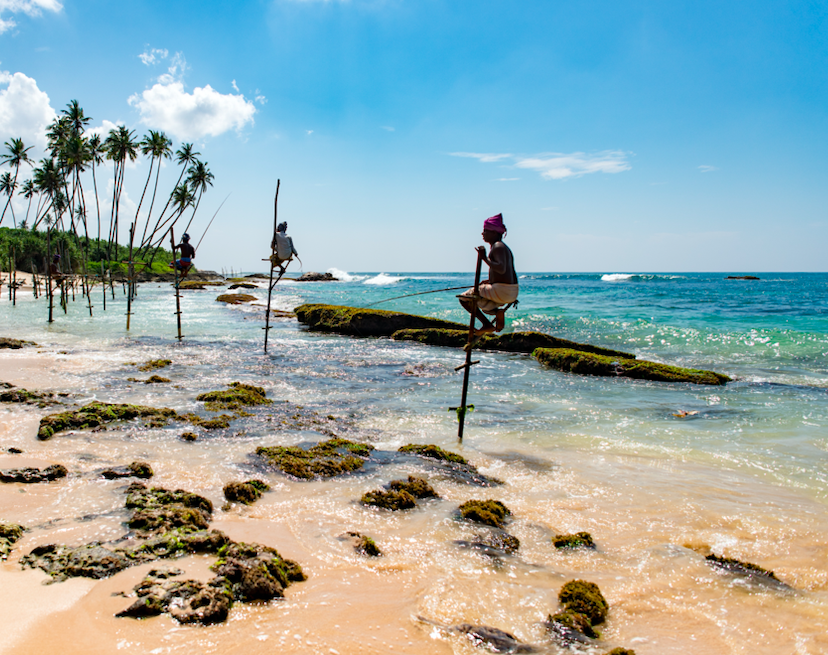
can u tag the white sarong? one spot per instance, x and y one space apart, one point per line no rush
493 295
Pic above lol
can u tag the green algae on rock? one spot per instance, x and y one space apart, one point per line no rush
237 396
15 344
98 413
572 361
362 544
156 379
10 533
570 627
584 598
188 436
154 364
433 452
161 510
326 459
357 322
245 492
33 475
187 601
235 298
494 544
620 651
401 494
13 394
256 572
135 469
738 567
220 422
512 342
488 512
576 540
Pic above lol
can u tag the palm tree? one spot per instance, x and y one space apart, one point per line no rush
199 178
48 182
27 190
18 153
120 145
7 186
158 146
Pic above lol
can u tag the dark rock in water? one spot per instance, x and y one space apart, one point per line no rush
433 452
178 542
577 540
10 533
326 459
187 601
256 572
495 544
220 422
494 639
451 464
87 561
237 396
512 342
747 570
570 628
620 651
245 492
15 344
584 598
572 361
243 285
235 298
362 544
161 510
488 512
401 494
96 413
14 451
741 277
15 395
33 475
357 322
316 277
154 364
135 469
189 436
156 379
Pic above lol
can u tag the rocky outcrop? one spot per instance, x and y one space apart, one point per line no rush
576 540
400 494
512 342
96 413
486 512
237 396
572 361
362 544
246 493
325 460
235 298
187 601
15 344
11 394
158 510
133 470
450 464
316 277
10 533
34 475
357 322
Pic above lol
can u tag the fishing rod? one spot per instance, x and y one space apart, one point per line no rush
211 221
416 294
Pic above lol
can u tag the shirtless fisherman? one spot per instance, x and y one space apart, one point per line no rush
187 255
502 286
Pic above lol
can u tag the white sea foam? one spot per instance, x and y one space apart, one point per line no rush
345 277
617 277
383 278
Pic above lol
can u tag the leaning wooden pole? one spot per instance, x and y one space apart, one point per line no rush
50 292
273 248
177 292
461 411
130 273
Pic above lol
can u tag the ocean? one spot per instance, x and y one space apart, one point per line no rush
657 472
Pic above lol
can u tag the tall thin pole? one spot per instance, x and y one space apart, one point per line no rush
130 270
273 249
177 292
461 411
50 291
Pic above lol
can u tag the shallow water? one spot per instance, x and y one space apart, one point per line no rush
744 476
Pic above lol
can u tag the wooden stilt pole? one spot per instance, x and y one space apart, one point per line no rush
130 272
271 283
461 411
14 277
34 279
177 292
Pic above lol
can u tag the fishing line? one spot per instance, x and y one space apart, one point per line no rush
416 294
211 221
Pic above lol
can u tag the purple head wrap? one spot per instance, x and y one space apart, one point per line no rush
495 224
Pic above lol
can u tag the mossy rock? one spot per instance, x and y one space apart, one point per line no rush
363 545
15 344
235 298
738 567
154 364
433 452
97 413
570 627
326 459
188 436
511 342
156 379
23 396
572 361
400 494
256 572
416 486
354 321
87 561
187 601
220 422
199 284
620 651
495 543
135 469
238 395
245 492
577 540
584 598
33 475
10 533
488 512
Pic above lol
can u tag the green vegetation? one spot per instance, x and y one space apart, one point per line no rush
154 364
737 566
220 422
584 598
358 322
10 533
433 452
237 396
245 492
326 459
488 512
401 494
572 361
17 395
577 540
98 413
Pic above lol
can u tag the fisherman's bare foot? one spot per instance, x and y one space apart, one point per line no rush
500 320
486 329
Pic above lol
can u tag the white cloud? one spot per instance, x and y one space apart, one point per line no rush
235 86
191 116
28 7
558 166
507 179
387 128
260 98
309 132
705 168
175 72
150 57
25 111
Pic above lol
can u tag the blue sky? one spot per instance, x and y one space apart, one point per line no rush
614 136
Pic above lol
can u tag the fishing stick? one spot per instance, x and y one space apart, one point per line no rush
416 294
211 221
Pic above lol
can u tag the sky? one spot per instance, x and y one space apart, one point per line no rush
614 136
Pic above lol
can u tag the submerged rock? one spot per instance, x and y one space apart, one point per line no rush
160 510
401 494
584 598
15 344
235 298
512 342
135 469
362 544
245 492
354 321
256 572
620 651
10 533
488 512
577 540
747 570
88 561
433 452
220 422
154 364
237 396
187 601
189 436
156 379
569 628
495 544
312 276
243 285
493 639
11 394
97 413
572 361
326 459
451 464
33 475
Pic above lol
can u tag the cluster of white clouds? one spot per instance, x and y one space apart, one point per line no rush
28 7
25 110
557 166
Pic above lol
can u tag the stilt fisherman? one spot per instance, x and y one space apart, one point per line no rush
187 255
500 290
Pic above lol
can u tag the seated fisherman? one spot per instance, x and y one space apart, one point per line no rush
501 288
187 254
282 247
54 268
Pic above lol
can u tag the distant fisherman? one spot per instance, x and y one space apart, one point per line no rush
187 254
282 246
501 289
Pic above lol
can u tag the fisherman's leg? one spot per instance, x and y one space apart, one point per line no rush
486 325
500 320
